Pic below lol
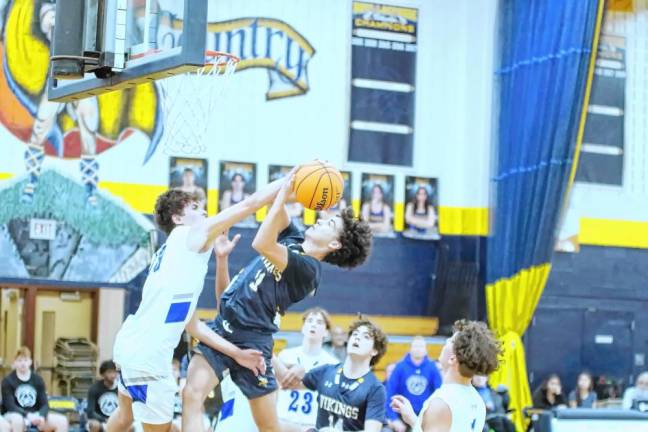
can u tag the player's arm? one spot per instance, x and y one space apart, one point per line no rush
288 376
223 247
438 417
265 241
202 235
248 358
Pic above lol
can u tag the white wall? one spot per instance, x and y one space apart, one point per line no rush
453 106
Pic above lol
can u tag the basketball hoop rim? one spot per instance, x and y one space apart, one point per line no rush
211 55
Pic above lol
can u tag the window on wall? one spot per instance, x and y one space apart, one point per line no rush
383 72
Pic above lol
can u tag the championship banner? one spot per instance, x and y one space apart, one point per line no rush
383 75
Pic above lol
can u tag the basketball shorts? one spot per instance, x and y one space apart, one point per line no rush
153 396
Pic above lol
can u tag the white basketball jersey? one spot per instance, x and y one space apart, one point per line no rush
300 406
467 408
176 276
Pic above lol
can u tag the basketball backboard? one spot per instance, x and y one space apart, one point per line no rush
123 43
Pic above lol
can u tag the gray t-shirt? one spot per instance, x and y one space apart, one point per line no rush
588 402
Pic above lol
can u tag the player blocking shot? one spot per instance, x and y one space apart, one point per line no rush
287 269
144 346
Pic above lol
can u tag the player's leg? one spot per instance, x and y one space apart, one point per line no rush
57 422
16 421
122 418
201 379
94 426
264 411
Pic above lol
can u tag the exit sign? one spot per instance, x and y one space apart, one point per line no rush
42 229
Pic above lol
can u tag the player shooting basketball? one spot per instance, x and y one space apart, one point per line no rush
287 269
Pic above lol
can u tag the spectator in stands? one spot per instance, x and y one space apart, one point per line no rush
24 398
636 397
415 377
549 395
102 397
496 402
583 396
389 369
337 345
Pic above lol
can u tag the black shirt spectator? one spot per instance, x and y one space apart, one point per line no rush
102 396
24 396
549 395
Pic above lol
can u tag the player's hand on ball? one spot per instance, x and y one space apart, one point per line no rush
403 406
286 193
293 377
253 360
223 246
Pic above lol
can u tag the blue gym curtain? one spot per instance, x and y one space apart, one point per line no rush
543 80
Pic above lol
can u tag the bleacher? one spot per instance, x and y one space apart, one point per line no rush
399 329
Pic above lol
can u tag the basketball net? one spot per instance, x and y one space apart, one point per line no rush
188 100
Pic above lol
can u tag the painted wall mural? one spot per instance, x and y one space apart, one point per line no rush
56 225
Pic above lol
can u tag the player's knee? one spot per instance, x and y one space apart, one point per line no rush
192 394
58 422
16 421
94 426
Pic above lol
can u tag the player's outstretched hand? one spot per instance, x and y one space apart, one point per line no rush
293 377
403 406
223 246
253 360
286 193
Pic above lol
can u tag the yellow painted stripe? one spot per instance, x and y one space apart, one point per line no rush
615 233
309 216
399 216
463 221
139 197
212 202
261 214
355 204
5 176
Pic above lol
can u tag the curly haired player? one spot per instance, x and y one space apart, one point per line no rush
456 406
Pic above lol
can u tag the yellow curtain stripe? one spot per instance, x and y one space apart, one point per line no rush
510 304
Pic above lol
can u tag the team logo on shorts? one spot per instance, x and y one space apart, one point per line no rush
263 381
416 384
25 395
108 403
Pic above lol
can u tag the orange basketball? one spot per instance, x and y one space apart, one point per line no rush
318 185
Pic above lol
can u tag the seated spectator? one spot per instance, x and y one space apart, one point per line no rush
102 397
583 396
24 398
415 377
549 395
496 403
636 397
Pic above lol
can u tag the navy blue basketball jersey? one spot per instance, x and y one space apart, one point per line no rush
259 293
346 403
